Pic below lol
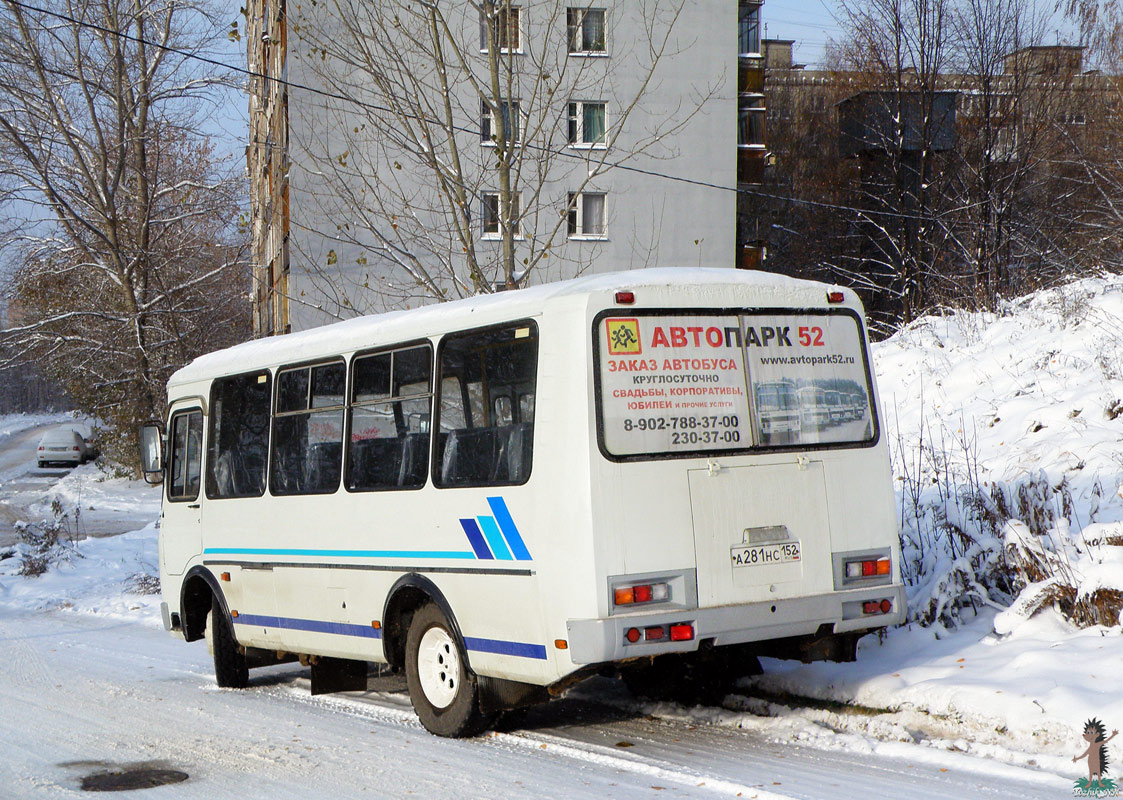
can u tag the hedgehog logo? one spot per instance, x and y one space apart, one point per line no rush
1094 734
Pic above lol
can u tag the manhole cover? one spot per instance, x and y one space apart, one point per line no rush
127 780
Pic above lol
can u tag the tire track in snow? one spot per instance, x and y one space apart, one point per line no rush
395 708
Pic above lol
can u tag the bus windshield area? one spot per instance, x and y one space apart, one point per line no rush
679 384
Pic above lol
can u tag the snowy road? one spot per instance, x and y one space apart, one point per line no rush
85 693
24 487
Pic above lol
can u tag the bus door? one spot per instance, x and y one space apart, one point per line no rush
180 538
237 538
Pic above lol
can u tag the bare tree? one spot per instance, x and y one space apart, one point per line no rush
446 104
130 262
903 45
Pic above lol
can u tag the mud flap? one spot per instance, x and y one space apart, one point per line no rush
338 675
498 694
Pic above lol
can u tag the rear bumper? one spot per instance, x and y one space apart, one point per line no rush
60 458
593 641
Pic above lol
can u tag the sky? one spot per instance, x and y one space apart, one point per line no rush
809 22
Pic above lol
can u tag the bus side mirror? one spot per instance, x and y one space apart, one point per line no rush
152 452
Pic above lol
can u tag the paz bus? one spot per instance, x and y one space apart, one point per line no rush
506 494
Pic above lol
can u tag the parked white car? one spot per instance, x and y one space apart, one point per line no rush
62 446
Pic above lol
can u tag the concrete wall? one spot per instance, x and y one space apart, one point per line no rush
685 123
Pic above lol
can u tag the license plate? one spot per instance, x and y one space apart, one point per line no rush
762 555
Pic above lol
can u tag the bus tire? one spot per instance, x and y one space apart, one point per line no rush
443 692
230 669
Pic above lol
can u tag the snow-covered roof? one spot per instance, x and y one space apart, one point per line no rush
375 329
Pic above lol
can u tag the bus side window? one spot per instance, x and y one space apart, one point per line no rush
307 455
239 436
391 397
184 459
486 438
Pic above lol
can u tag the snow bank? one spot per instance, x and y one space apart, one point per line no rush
112 577
1006 436
1007 443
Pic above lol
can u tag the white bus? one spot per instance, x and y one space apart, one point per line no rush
777 405
506 494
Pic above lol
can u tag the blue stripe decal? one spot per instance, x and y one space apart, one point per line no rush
267 551
494 538
313 625
503 648
476 539
498 646
507 525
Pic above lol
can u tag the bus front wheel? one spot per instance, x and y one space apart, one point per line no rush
230 669
442 690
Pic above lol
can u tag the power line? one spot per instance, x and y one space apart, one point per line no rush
564 153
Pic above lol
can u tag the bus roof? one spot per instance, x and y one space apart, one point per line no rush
701 286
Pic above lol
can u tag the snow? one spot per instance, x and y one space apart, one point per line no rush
1015 416
1000 406
14 423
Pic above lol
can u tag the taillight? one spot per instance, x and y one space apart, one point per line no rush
641 593
41 447
677 632
868 568
835 297
877 606
682 632
74 448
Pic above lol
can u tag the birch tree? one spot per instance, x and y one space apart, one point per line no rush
129 261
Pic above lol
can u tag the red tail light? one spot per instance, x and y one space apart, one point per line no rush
682 633
643 593
625 298
868 568
877 606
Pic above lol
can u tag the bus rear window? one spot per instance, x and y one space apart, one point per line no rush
692 383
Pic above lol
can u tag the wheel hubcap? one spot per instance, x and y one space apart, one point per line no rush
438 667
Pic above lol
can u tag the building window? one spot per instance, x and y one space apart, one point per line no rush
748 30
492 218
750 121
586 213
585 28
588 124
489 131
506 29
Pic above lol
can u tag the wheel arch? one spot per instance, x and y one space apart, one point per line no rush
199 585
409 593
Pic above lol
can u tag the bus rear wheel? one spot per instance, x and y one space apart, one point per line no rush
230 669
443 692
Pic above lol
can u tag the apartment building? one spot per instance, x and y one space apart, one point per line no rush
402 153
